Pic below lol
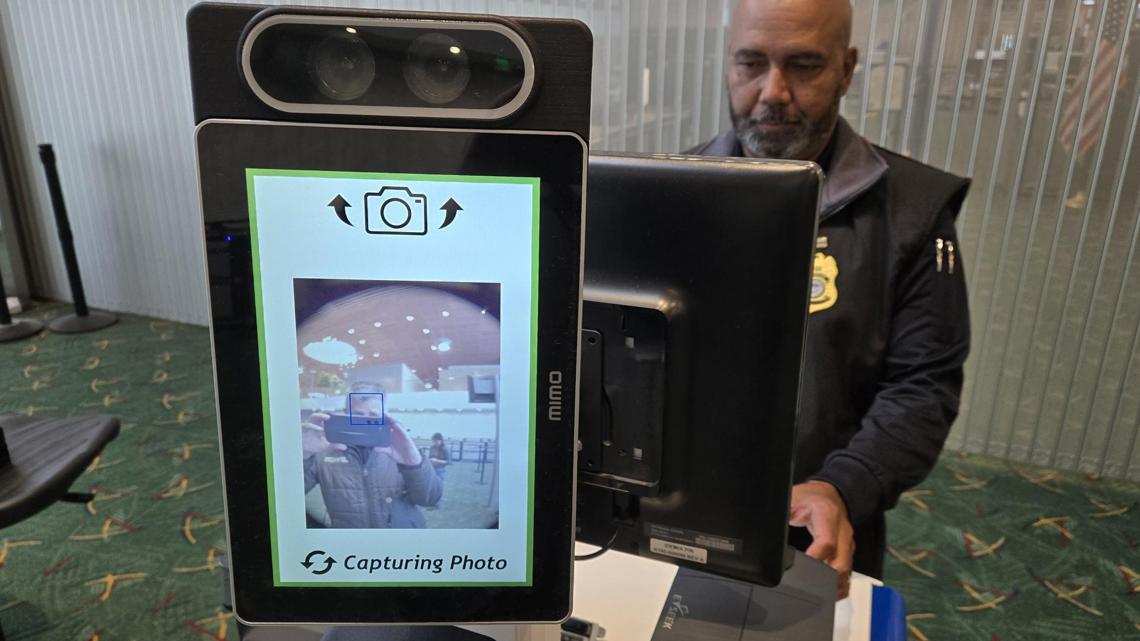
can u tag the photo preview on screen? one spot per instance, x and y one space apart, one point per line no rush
397 318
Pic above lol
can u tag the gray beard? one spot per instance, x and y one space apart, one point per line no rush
803 136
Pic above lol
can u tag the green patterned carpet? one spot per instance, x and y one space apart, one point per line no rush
138 563
983 550
993 551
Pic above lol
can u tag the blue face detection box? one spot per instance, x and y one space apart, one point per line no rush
366 408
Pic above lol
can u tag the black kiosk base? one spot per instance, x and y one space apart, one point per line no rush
706 607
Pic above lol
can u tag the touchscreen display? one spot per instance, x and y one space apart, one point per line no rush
397 323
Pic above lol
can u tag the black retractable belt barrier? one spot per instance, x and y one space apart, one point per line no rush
83 320
11 330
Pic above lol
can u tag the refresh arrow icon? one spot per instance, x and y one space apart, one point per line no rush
328 566
308 562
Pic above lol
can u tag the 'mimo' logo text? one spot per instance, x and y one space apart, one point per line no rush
554 396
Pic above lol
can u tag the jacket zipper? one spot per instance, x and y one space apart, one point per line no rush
938 254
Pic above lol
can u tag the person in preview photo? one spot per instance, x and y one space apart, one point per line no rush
439 455
369 487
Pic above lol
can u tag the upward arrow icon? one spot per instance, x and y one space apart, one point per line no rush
339 204
451 207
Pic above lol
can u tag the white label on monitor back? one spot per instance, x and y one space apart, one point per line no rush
678 551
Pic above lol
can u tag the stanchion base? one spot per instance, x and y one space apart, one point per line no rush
19 329
72 324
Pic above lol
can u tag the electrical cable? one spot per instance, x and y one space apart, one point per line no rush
600 551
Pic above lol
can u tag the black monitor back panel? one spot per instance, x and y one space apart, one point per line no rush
696 292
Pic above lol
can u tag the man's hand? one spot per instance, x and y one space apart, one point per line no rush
313 435
402 449
817 506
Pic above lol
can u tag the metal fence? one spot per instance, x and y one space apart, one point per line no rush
1036 99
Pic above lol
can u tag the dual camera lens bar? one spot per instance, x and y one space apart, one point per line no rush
388 67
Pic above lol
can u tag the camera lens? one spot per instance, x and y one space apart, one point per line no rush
387 67
342 66
400 213
437 69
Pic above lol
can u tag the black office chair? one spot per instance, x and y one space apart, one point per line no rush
41 457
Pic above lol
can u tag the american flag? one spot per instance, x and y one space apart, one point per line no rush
1102 72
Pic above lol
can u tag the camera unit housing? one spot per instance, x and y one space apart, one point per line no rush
544 64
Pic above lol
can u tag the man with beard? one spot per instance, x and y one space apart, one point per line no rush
888 330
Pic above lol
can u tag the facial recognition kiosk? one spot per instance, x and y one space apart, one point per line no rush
393 219
392 205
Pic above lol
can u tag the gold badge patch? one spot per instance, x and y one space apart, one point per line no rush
823 275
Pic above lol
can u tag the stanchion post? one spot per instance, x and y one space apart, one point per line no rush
83 320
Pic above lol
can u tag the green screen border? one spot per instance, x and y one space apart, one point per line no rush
251 174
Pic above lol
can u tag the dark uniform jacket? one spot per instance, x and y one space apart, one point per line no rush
888 331
366 489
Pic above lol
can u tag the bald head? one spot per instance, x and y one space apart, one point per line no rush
790 63
832 18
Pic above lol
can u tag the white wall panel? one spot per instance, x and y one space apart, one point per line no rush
106 83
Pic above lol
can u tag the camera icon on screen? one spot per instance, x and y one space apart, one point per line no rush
395 210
